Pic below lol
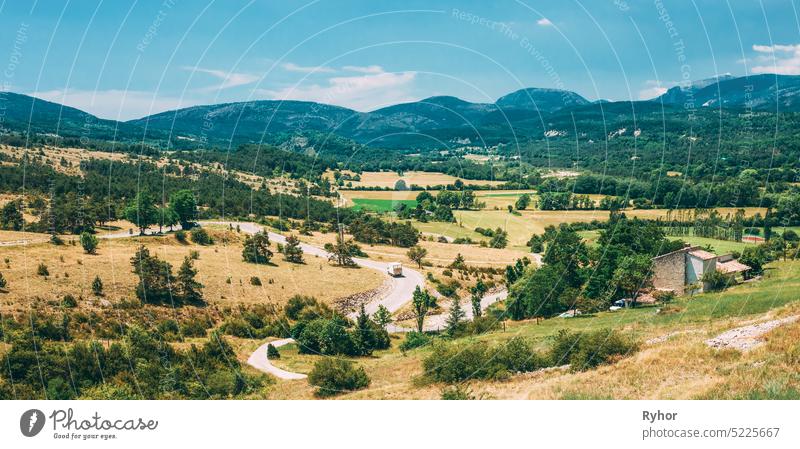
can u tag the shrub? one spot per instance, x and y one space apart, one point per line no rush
456 393
169 330
328 337
272 352
715 281
414 340
517 356
180 236
453 363
332 376
56 240
194 255
69 301
481 325
200 236
97 286
583 351
195 327
42 270
306 308
89 242
664 296
238 328
255 280
3 281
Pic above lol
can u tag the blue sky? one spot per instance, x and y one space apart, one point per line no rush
128 59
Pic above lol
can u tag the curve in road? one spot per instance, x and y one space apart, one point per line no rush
258 360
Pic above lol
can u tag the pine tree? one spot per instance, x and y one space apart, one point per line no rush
272 352
155 277
97 286
456 316
477 294
422 301
363 332
292 251
342 252
382 316
256 248
189 289
89 242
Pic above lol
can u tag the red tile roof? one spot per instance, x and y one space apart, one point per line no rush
731 266
701 254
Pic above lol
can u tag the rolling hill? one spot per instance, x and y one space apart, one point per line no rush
434 123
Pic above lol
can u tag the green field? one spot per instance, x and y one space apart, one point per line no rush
378 205
720 246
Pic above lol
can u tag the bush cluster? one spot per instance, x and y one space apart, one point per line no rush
453 363
333 376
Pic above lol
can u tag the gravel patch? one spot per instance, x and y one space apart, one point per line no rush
747 337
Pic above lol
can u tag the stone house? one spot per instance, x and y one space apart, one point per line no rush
684 268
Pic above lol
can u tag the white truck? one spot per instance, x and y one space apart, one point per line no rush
395 269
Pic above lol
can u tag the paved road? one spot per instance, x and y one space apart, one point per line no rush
258 360
399 293
438 322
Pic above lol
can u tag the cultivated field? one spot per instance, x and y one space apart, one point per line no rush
529 222
492 199
388 179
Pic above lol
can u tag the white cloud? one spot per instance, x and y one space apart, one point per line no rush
113 104
654 89
778 59
363 69
292 67
544 22
363 93
229 79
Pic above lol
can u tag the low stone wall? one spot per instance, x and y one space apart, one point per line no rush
352 303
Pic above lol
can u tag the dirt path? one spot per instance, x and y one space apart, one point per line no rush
746 338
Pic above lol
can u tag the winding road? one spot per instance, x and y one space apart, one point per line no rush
400 293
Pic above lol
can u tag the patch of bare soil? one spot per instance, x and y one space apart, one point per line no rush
747 337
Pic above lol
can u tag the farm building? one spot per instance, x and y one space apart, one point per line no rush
684 269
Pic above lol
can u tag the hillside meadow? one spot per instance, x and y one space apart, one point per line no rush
673 362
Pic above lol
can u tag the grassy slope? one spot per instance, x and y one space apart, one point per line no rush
681 367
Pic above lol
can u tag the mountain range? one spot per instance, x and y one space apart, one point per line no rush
434 122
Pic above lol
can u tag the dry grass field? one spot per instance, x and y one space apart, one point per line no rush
72 271
438 253
72 158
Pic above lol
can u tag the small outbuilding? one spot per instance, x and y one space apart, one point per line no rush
686 267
